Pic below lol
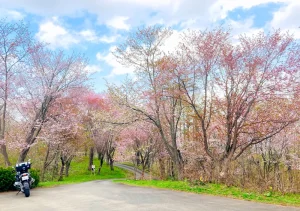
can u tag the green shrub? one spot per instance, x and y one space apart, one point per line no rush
36 175
7 179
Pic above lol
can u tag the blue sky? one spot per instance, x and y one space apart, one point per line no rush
96 27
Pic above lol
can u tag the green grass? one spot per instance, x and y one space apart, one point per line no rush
220 190
78 173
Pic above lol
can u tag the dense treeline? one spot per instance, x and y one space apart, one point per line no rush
212 109
224 110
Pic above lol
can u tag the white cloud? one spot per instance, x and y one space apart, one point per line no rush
287 18
90 69
90 35
188 13
125 14
238 28
108 39
220 9
11 14
188 23
117 68
118 22
128 14
148 3
244 27
56 35
172 42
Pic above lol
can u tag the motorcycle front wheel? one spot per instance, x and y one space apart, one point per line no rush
26 189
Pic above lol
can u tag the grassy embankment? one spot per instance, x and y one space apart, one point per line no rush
78 173
219 190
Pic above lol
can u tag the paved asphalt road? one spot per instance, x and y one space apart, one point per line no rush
135 171
106 195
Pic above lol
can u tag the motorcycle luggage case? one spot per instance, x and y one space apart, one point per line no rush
22 166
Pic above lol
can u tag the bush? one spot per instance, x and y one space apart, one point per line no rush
7 179
35 174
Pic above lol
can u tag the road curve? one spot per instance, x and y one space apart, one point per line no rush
138 173
108 196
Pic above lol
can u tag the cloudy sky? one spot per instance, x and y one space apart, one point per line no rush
95 27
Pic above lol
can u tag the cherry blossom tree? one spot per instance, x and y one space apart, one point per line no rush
16 44
104 123
50 76
152 95
242 94
143 140
94 103
63 131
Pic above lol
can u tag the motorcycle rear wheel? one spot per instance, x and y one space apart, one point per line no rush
26 189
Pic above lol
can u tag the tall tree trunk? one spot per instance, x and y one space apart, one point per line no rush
162 168
179 170
67 168
30 139
23 154
145 162
3 121
55 167
68 164
110 156
62 168
177 165
171 169
49 159
101 159
174 152
111 164
45 163
223 168
91 158
5 155
36 127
